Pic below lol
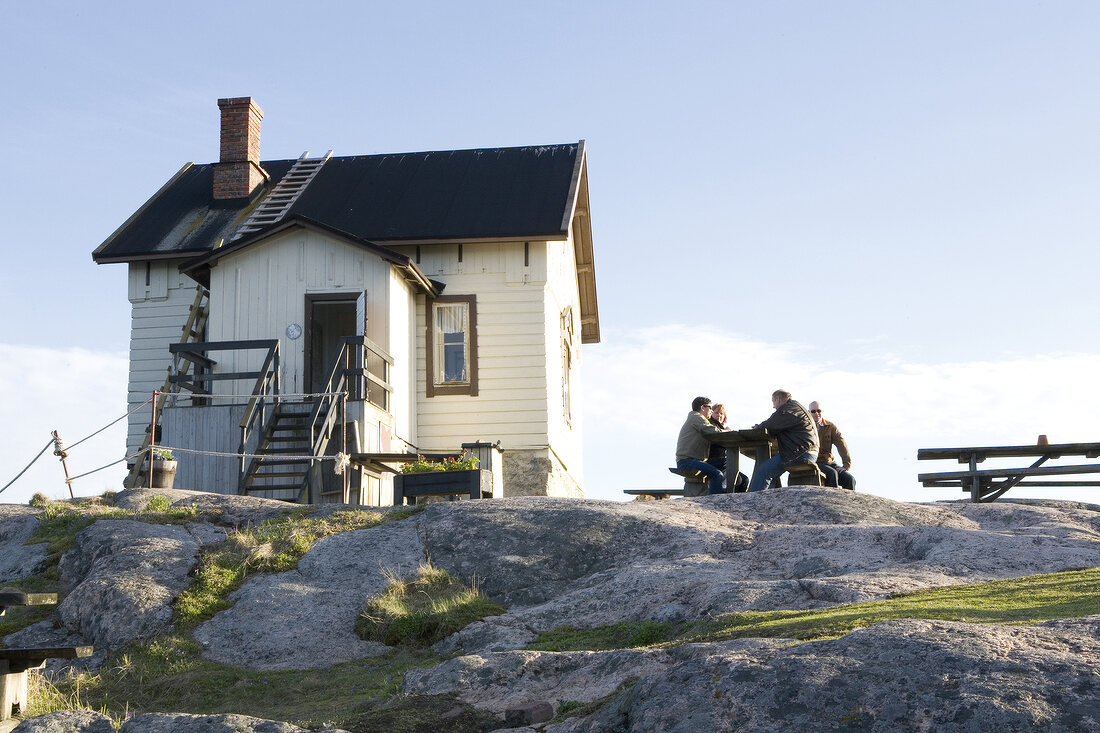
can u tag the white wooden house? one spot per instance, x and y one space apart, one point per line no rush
454 287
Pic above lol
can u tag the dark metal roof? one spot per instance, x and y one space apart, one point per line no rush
492 193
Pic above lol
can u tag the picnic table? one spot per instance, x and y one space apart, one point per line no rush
987 484
14 663
754 443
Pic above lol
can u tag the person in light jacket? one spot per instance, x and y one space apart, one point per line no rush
693 446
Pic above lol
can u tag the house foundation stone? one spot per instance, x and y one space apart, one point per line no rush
538 473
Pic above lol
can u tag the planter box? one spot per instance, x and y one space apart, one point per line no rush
164 474
477 483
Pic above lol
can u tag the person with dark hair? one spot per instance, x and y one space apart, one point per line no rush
693 446
717 457
795 431
829 437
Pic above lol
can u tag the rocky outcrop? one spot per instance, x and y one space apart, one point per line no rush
900 675
67 721
85 721
17 524
582 563
554 562
306 618
122 577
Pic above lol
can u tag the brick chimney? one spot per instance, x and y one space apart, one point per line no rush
238 172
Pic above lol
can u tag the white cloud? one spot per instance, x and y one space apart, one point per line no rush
638 386
640 383
73 391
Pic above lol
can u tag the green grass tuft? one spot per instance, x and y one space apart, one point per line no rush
273 546
1027 600
423 610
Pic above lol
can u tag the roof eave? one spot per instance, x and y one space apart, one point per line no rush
96 256
579 218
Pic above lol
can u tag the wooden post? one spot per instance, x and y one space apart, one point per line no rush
59 451
152 435
975 486
344 443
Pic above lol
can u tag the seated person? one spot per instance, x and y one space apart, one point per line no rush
717 457
796 433
829 436
693 446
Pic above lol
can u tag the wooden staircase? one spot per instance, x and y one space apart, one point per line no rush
278 470
275 205
193 330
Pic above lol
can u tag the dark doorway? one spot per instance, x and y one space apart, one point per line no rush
329 318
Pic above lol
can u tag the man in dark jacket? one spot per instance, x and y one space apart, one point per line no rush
795 431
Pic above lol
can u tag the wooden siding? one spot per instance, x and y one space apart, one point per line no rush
562 292
511 405
213 428
158 312
258 292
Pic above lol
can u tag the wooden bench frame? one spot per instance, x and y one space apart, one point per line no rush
987 485
805 471
655 493
15 663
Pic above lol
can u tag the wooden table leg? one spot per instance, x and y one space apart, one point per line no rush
733 466
975 484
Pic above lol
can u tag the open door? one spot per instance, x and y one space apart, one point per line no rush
329 318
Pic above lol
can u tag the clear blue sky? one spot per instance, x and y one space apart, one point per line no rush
890 207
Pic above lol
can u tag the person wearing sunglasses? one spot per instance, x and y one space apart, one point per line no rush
829 437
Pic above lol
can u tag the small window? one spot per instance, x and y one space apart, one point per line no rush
567 363
452 346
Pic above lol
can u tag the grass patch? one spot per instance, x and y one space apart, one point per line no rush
1026 600
419 713
168 674
623 635
271 547
423 610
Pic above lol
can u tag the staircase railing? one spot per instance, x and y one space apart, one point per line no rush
265 396
351 377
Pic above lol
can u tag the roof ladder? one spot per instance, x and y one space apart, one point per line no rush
275 205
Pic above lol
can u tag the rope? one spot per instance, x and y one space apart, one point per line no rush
245 397
94 470
280 456
131 412
29 464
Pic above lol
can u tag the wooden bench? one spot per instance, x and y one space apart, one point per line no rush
655 493
988 484
695 482
805 474
14 663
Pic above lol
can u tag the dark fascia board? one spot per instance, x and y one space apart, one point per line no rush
141 210
199 267
182 254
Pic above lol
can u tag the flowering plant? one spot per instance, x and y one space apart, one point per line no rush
162 454
467 462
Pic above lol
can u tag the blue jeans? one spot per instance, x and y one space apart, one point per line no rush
717 478
835 475
767 471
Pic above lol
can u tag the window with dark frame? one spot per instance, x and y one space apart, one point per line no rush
452 345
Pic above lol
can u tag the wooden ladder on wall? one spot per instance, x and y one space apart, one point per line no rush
275 205
193 329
